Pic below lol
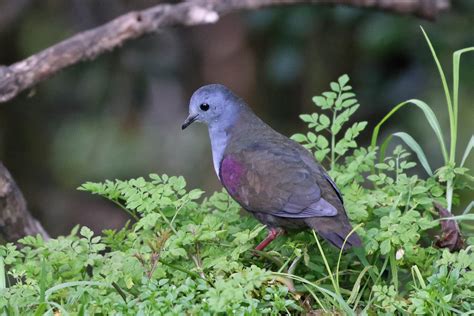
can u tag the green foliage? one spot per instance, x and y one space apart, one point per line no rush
184 255
451 282
448 172
396 212
181 256
342 104
386 299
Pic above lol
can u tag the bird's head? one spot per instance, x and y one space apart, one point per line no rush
214 105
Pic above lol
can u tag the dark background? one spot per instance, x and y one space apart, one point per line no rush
119 116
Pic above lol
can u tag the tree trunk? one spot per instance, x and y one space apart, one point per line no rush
15 220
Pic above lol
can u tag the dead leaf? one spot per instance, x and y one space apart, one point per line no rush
450 234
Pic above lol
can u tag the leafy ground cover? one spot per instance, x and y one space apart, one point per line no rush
189 253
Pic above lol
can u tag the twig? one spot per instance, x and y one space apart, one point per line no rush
117 288
129 212
198 264
155 257
89 44
188 272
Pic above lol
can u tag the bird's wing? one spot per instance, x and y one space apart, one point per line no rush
333 185
274 179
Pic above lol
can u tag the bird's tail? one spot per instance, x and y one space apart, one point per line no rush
335 231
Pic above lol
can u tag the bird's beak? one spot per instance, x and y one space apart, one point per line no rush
189 120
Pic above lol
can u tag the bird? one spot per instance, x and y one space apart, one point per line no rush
270 175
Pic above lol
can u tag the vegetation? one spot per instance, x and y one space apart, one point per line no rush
187 255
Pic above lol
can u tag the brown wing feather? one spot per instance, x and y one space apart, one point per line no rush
272 178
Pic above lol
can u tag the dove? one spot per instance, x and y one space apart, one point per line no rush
271 176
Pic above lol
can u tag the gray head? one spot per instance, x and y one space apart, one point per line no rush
213 104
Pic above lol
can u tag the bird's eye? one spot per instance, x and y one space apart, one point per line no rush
204 106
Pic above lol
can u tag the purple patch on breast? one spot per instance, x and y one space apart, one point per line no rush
231 174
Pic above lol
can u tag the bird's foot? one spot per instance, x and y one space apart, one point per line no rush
272 234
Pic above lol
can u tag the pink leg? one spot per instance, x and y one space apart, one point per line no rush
272 234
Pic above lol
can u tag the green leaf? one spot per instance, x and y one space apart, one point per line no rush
300 138
373 177
86 232
73 284
345 115
417 149
430 117
41 309
330 95
306 118
347 95
468 208
335 87
335 128
155 177
321 154
456 61
91 187
195 194
385 247
382 166
343 80
407 164
467 151
322 142
2 274
348 103
324 120
311 137
447 94
464 217
419 190
347 88
320 101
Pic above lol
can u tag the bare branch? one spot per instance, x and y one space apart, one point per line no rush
89 44
15 220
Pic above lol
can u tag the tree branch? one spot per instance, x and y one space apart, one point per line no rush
89 44
15 220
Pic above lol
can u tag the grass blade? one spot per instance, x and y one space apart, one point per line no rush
416 275
3 283
316 298
383 147
338 298
452 119
393 269
73 283
467 151
430 117
333 281
417 149
468 208
340 251
41 309
356 288
456 61
464 217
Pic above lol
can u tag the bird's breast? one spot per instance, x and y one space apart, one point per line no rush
219 140
231 174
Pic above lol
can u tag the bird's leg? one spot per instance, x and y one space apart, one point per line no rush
272 234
